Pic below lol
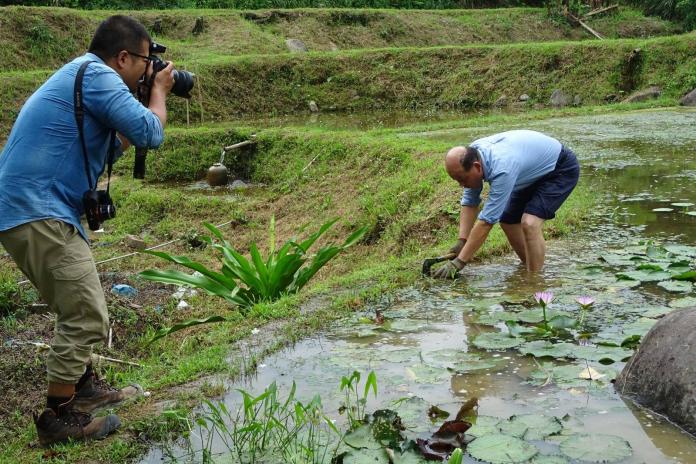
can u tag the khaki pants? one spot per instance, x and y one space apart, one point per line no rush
58 261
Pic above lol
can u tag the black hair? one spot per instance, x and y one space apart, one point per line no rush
469 157
117 33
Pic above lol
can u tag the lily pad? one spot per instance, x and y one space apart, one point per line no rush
542 348
691 213
676 286
531 426
549 459
662 210
645 275
656 311
596 448
362 438
457 360
423 373
683 205
683 250
496 341
686 302
686 275
639 327
501 449
603 354
366 456
414 414
572 375
397 356
482 425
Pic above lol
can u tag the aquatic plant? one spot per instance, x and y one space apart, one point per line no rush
244 282
299 432
544 299
354 403
585 302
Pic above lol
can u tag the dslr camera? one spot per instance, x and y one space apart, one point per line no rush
98 208
183 83
183 80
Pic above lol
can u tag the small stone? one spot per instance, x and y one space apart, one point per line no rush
296 46
146 394
577 100
524 97
182 305
313 107
134 242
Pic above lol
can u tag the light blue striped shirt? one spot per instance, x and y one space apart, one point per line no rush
511 161
42 168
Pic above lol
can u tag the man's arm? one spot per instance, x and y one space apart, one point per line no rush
478 235
467 216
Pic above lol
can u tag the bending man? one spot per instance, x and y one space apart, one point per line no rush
530 176
43 176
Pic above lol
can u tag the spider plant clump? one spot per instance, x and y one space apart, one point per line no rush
245 282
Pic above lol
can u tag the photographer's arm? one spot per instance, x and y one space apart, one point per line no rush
164 81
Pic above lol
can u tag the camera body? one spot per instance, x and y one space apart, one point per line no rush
98 208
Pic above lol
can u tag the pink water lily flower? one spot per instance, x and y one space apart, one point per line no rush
585 301
543 298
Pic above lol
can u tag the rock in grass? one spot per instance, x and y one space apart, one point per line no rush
134 242
643 95
689 99
313 107
523 98
296 46
559 99
662 375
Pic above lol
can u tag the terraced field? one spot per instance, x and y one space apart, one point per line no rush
452 75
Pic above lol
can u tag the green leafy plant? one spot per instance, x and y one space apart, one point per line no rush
354 403
267 425
245 282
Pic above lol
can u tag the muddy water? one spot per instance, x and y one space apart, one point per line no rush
639 161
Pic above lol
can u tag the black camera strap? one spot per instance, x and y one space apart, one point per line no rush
79 118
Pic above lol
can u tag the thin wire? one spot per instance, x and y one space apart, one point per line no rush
138 252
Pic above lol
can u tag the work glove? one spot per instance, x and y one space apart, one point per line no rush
458 246
449 270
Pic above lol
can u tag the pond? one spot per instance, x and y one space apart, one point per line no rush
445 344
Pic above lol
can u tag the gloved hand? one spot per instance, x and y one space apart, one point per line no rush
449 270
458 246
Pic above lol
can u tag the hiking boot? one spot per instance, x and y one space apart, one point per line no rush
94 393
68 424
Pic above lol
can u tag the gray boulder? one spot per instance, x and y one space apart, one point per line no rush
689 99
296 45
661 376
560 99
643 95
523 98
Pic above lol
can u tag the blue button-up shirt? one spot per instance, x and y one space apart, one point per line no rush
511 161
42 168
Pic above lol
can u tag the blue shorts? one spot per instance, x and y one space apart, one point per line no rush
545 196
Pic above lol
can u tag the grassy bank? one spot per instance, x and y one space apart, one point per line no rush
44 38
411 78
393 183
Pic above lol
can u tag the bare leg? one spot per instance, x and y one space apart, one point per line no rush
515 236
535 246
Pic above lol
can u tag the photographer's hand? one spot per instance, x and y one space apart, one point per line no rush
164 81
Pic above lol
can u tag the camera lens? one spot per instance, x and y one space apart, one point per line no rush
183 83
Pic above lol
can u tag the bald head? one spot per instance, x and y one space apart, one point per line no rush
463 164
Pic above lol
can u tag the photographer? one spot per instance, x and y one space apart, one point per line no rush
47 169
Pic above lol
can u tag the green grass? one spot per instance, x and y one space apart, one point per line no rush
393 183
